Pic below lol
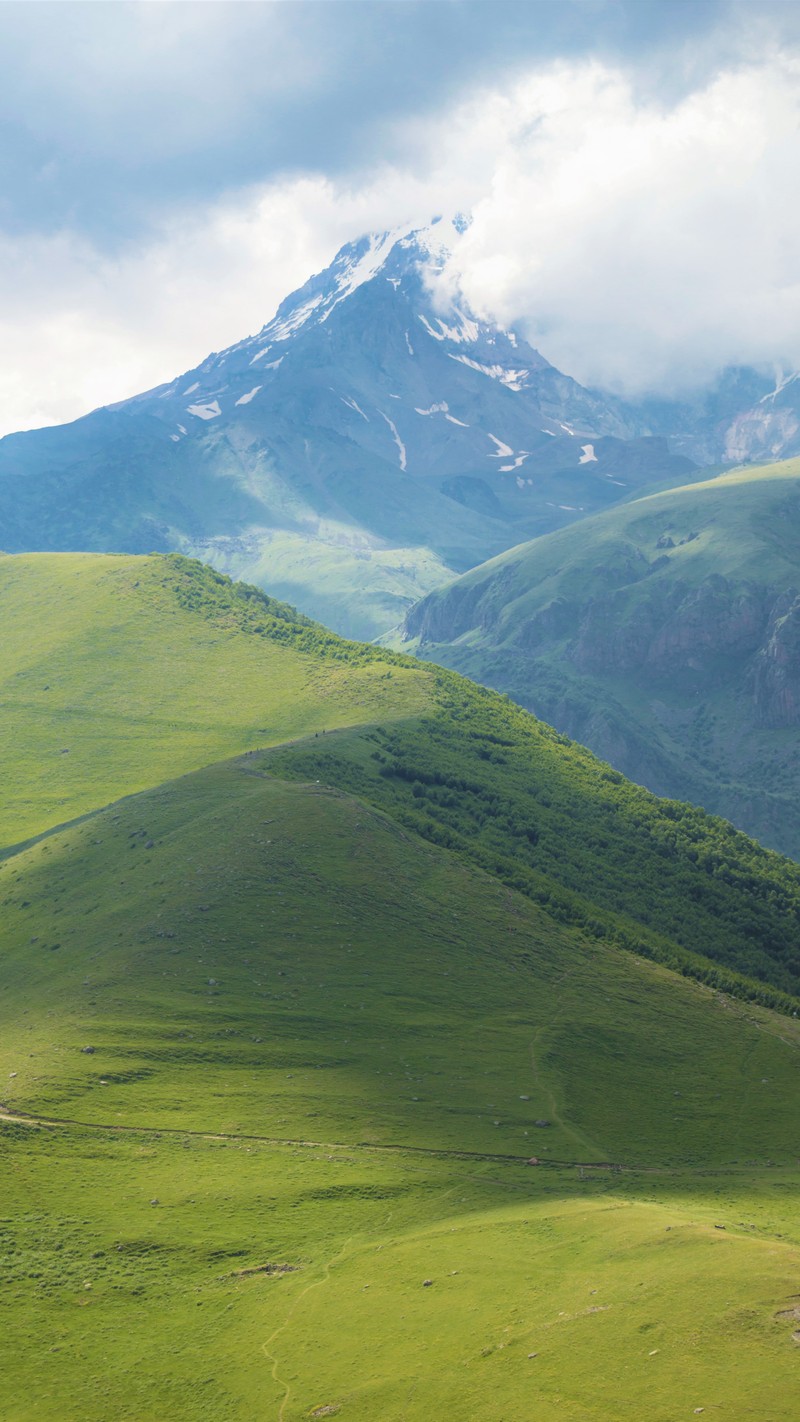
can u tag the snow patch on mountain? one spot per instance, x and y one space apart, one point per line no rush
514 379
401 449
353 405
503 451
467 330
356 270
282 330
781 382
205 412
245 399
588 455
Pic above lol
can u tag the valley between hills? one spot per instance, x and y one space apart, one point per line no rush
369 1048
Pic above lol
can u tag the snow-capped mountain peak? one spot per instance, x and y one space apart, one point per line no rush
401 249
394 273
366 423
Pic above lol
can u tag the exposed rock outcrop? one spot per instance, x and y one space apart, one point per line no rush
677 631
776 669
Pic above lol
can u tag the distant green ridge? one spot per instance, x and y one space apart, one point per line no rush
660 633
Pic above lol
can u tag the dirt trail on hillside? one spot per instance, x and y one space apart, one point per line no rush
21 1118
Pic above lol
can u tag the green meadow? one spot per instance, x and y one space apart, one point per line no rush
120 672
631 1300
285 1015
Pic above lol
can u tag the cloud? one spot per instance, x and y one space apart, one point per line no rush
641 245
114 114
643 235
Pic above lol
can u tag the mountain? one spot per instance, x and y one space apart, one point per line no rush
368 444
357 452
703 424
770 428
662 633
291 910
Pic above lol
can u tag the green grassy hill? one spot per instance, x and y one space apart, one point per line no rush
277 1032
662 633
120 672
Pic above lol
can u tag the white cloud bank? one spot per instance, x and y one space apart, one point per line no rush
640 245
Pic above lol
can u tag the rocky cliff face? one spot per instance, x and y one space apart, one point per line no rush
775 676
676 631
691 637
770 429
701 637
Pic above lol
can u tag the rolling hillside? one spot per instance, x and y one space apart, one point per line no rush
332 946
119 672
661 633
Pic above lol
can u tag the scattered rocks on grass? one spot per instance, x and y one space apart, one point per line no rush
793 1315
265 1269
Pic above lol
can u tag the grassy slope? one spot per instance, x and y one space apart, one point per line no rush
362 589
522 802
370 991
251 957
633 1302
154 666
313 960
747 525
119 672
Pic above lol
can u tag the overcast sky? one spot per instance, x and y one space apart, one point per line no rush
169 171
